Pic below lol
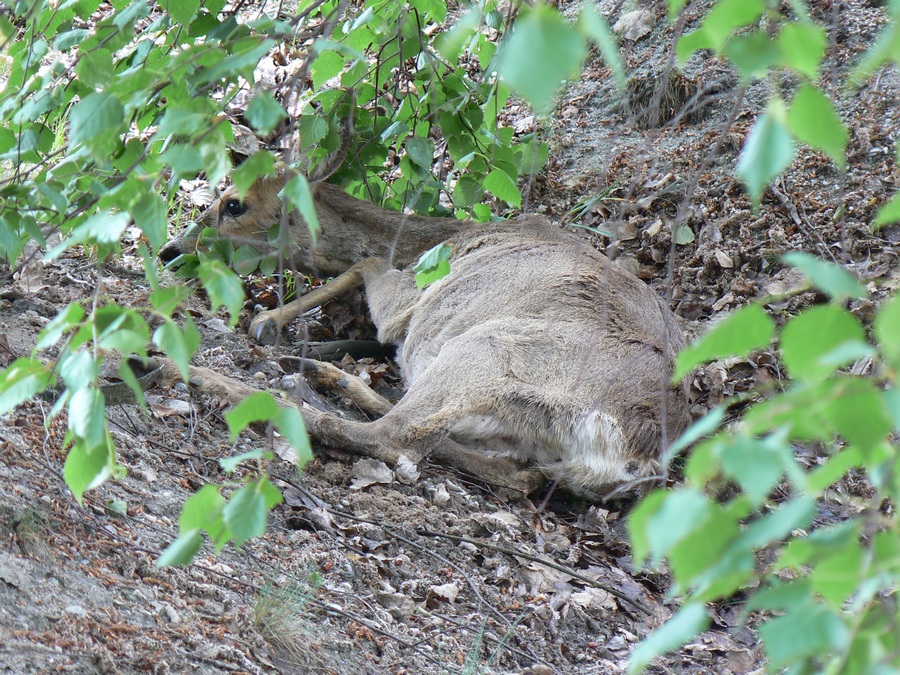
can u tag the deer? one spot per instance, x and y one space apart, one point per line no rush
536 358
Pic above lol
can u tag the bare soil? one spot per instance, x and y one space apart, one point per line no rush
438 573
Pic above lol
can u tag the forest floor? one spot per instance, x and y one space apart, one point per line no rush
364 571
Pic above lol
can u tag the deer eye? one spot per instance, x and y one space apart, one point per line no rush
235 207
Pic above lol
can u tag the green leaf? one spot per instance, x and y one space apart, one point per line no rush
754 464
838 575
326 65
298 195
104 229
807 630
767 151
166 300
637 526
258 407
179 344
887 329
727 15
63 322
434 264
182 11
432 274
223 287
834 469
677 518
801 552
120 329
203 511
502 186
690 620
814 333
95 115
802 47
692 42
313 128
702 427
828 277
87 467
695 558
23 379
796 514
246 260
684 235
258 165
594 26
245 514
539 54
87 416
78 370
889 213
270 493
265 113
116 506
752 54
289 423
420 151
229 464
394 131
242 62
183 550
859 413
450 43
813 120
149 214
739 334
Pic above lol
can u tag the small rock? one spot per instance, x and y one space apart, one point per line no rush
406 470
76 610
724 260
440 496
168 612
635 25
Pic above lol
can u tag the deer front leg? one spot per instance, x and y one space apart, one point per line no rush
266 326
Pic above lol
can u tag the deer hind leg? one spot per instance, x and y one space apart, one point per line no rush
322 375
391 436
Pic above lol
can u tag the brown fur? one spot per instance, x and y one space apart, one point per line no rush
535 348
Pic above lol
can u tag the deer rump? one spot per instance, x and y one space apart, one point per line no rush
537 348
535 358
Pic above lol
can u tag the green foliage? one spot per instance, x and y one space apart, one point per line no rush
432 265
761 40
818 591
101 115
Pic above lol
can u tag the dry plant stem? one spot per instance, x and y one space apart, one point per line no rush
808 230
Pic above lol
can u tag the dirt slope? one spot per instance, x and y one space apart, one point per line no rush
435 574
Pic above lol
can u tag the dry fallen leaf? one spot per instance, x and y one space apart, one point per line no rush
368 472
171 406
406 470
446 592
398 605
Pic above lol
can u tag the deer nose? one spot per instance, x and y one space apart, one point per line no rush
170 251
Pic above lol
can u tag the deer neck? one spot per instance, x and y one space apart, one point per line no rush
353 230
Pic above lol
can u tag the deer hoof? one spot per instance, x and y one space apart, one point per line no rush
264 329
